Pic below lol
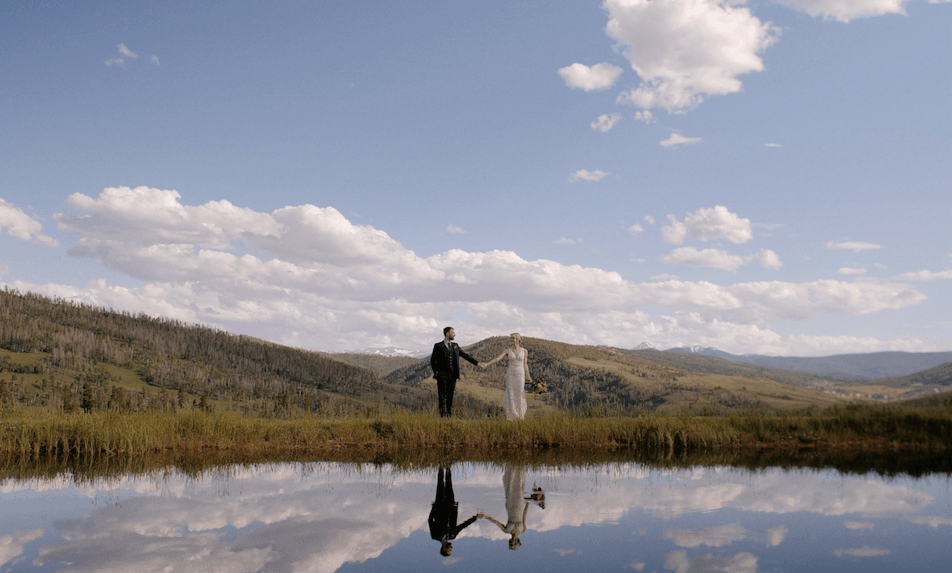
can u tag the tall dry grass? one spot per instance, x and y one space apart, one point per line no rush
36 433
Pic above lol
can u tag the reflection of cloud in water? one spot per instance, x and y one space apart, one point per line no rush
679 562
316 518
11 546
865 551
720 535
931 520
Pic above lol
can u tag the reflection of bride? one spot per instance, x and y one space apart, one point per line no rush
516 376
514 481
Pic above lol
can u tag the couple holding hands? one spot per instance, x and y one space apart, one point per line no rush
445 364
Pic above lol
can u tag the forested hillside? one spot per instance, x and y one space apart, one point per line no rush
71 355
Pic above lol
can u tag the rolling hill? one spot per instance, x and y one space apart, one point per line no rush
65 355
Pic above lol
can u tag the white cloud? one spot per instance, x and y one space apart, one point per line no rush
605 122
586 175
598 77
930 520
11 546
927 275
858 525
708 224
117 61
649 219
339 284
772 145
665 277
686 50
719 259
22 226
851 271
454 229
678 139
679 562
854 246
846 10
865 551
635 229
126 51
645 116
721 535
564 241
155 60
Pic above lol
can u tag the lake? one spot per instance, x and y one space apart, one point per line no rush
331 517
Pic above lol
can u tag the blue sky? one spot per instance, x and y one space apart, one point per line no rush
765 177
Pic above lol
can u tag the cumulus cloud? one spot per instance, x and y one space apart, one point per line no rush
927 275
22 226
598 77
11 546
719 259
454 229
565 241
645 116
586 175
708 224
851 271
635 229
931 520
721 535
649 219
605 122
308 277
846 10
679 562
686 50
865 551
855 246
126 51
676 139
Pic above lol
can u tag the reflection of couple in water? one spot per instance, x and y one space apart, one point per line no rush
444 515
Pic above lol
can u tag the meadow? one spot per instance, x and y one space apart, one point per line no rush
29 433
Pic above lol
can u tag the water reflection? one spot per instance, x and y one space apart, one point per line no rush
356 518
445 513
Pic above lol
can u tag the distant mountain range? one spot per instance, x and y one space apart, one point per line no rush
388 351
867 366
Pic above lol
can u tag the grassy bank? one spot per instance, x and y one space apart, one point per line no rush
33 433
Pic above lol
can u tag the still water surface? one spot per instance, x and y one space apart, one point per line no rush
329 517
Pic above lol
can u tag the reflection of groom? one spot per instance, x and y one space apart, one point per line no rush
445 512
445 364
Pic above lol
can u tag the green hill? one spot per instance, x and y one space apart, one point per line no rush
68 355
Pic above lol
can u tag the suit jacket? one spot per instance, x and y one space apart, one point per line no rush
445 362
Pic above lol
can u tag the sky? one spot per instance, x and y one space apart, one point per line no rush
758 177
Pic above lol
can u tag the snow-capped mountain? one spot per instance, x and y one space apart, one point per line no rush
389 351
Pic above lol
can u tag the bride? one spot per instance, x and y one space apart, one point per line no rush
516 376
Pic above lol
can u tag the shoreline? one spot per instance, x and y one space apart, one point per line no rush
29 435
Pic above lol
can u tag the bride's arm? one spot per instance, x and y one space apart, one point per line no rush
525 364
495 360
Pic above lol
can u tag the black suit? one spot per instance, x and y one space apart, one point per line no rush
445 510
445 364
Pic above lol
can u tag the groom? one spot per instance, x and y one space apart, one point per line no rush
445 364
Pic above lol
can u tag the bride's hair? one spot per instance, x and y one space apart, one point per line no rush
517 335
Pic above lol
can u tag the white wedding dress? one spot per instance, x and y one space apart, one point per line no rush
515 401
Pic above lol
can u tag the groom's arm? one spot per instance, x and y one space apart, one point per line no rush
468 357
